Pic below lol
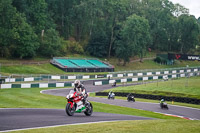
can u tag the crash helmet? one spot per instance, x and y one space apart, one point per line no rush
77 83
162 100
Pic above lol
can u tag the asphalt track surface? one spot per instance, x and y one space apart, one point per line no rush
17 119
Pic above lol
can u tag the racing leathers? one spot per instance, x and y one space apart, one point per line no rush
81 89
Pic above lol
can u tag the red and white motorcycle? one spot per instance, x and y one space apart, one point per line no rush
75 104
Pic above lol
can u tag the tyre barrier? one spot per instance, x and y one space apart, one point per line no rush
155 97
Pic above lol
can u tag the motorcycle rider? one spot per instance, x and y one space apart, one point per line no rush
162 101
109 94
130 95
78 87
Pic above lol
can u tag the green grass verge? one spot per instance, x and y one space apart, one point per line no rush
29 98
138 126
183 87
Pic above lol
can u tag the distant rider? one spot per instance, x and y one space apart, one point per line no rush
109 94
162 101
80 89
130 95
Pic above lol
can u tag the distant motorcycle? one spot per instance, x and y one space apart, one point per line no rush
114 84
164 106
130 97
111 95
75 104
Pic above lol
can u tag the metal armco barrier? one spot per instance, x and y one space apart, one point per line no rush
145 78
38 85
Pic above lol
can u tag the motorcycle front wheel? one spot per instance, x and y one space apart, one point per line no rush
89 109
69 111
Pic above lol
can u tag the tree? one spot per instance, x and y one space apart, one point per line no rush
36 14
50 44
123 50
62 13
135 38
162 16
113 10
26 44
188 33
17 37
98 44
7 24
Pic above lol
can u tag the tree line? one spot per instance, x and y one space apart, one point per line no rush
101 28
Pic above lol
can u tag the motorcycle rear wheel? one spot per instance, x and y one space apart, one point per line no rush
69 111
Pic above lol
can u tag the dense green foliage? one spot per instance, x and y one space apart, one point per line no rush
134 38
98 27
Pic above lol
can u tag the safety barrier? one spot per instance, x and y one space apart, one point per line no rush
37 85
145 78
27 79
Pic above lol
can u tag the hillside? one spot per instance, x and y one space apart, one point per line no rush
42 66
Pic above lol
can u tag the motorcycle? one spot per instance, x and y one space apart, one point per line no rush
164 106
111 95
114 84
75 104
130 97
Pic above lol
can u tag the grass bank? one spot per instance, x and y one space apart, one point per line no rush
47 68
183 87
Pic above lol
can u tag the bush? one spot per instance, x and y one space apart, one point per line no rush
74 47
157 59
160 60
